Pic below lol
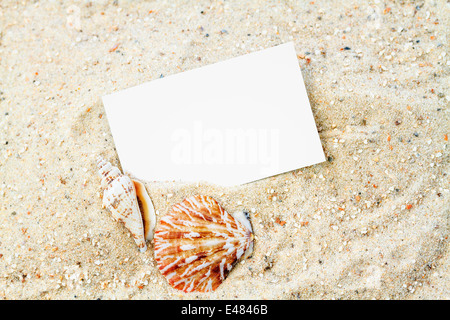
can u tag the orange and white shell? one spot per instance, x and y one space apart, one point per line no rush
198 242
128 202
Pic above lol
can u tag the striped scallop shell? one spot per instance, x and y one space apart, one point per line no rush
198 242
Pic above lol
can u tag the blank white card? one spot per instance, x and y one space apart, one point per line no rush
228 123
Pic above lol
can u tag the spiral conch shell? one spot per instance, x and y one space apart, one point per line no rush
198 242
128 202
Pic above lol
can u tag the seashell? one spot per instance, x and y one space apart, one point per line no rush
128 202
198 242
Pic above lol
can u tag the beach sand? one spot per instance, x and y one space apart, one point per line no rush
372 222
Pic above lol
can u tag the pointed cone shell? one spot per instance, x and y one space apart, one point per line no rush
120 198
197 243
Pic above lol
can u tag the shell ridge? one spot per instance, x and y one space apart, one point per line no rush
170 265
187 209
214 257
167 220
207 202
200 254
180 208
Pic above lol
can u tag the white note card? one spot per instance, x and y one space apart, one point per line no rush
228 123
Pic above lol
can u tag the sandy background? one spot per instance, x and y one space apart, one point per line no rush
372 222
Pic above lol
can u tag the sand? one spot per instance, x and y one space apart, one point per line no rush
372 222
